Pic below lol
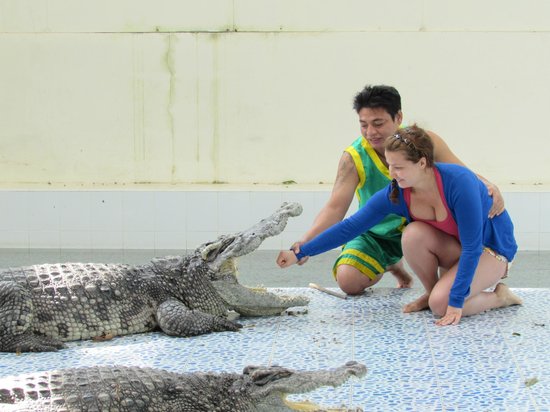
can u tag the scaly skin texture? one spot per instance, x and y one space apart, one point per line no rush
43 306
258 389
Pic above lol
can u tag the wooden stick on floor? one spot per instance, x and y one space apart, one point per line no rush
325 290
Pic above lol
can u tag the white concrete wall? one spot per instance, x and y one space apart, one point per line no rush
112 111
110 94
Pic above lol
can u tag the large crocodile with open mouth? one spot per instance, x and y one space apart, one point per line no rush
42 306
110 388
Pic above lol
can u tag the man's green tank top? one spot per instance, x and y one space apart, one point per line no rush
373 176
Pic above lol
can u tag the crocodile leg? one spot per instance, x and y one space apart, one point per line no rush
175 319
16 316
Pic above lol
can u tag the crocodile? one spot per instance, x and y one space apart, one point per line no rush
43 306
126 388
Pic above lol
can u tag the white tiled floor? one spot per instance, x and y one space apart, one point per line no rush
482 364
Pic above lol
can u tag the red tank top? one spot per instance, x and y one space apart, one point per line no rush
448 225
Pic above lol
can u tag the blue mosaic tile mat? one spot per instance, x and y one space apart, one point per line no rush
497 361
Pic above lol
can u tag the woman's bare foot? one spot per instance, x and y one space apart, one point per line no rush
419 304
506 296
404 280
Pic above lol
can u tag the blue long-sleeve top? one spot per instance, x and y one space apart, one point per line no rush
469 203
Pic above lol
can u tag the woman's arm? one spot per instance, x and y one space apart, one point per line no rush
378 207
366 217
465 200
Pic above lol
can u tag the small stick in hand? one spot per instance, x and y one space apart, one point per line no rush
325 290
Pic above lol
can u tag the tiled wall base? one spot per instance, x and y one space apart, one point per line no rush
185 219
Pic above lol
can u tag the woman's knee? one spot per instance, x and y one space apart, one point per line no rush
415 235
351 280
438 303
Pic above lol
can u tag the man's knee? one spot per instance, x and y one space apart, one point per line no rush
352 281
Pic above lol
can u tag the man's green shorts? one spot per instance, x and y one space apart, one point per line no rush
370 254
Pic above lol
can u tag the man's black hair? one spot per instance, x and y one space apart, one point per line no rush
386 97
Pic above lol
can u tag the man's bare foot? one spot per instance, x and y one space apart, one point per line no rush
419 304
506 296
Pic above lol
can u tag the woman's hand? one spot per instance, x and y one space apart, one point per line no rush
296 248
452 317
286 258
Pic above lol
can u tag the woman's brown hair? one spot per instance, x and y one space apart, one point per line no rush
416 144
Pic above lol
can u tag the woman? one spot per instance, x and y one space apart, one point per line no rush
451 244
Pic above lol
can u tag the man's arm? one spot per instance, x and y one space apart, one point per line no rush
443 154
340 199
338 204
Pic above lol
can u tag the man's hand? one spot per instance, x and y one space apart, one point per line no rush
498 200
452 317
296 248
286 258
